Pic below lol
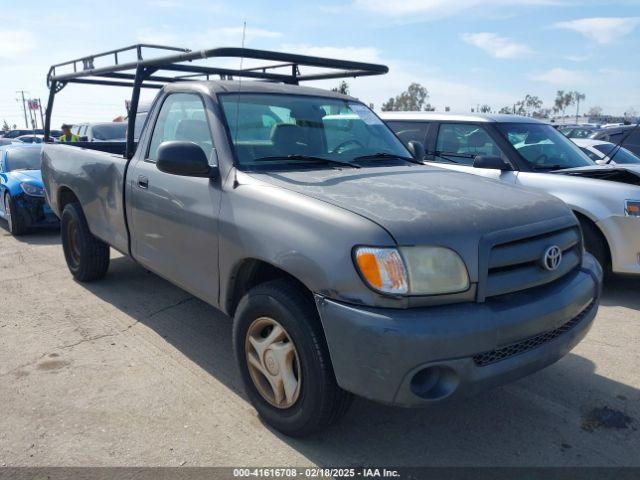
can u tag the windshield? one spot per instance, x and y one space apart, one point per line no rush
109 131
275 130
623 155
22 159
543 147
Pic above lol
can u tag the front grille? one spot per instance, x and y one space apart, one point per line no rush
517 265
508 351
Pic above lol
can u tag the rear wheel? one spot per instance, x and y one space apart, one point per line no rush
15 221
87 256
595 244
284 360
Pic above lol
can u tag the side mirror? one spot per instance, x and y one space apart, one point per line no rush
416 149
601 162
491 162
183 158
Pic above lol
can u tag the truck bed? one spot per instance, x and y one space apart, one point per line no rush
96 179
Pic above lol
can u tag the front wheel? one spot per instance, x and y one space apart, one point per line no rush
87 256
15 221
284 360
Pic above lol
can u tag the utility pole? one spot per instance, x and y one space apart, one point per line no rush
24 109
41 114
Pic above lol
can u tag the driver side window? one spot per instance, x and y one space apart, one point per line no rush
463 142
182 117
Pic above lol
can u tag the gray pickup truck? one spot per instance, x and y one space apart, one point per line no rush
347 267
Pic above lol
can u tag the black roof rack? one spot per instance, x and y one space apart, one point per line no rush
178 65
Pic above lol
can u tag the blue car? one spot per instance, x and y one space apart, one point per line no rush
22 202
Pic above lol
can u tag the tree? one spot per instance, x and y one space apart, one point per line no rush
562 101
485 108
595 111
412 99
5 126
577 97
506 110
343 87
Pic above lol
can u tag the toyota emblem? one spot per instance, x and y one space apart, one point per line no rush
552 258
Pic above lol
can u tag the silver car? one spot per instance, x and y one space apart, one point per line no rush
527 152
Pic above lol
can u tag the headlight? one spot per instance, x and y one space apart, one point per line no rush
32 190
419 270
383 269
632 208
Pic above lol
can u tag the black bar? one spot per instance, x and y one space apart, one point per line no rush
133 110
226 71
111 83
47 119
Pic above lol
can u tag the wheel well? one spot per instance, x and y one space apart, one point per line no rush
584 219
65 196
252 272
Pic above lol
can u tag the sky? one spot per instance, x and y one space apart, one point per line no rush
465 52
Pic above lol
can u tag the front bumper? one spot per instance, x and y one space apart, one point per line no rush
35 211
422 355
623 236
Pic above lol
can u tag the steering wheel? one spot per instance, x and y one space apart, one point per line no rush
339 147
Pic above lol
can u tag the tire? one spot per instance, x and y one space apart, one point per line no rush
319 401
595 244
15 221
87 257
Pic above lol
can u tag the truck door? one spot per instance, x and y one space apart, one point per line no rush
174 219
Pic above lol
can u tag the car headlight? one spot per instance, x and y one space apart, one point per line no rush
33 190
632 208
421 270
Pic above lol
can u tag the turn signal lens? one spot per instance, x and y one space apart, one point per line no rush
383 269
632 208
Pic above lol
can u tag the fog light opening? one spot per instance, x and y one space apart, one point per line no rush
434 383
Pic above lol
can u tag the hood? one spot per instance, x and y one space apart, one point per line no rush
423 203
629 174
31 176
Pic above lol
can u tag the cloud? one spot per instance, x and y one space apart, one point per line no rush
497 46
438 8
602 30
361 54
562 77
16 42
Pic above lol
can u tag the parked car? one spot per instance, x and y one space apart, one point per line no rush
31 138
617 134
530 153
578 131
600 152
101 132
347 266
22 203
38 131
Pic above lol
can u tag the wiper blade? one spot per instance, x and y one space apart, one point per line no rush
307 157
549 167
387 155
446 156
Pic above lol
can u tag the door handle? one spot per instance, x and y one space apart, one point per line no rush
143 182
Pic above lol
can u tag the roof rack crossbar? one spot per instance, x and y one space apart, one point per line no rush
88 61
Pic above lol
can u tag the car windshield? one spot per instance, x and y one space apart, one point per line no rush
22 159
109 131
542 147
622 156
284 131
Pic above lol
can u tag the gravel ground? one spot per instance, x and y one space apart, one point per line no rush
134 371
